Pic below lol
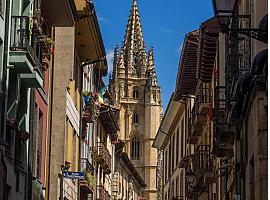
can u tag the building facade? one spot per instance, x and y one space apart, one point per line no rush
135 91
24 89
127 182
222 83
78 67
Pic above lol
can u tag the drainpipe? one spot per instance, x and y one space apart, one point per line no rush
48 159
80 129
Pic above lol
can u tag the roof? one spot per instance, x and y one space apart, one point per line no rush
88 40
119 146
186 77
135 174
209 33
163 133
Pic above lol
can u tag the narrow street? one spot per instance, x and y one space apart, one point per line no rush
133 100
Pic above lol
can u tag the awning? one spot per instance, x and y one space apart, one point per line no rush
109 121
209 32
186 78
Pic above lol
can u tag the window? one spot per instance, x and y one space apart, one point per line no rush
177 146
135 148
169 160
135 94
177 186
182 138
181 185
39 150
165 165
172 155
135 118
174 151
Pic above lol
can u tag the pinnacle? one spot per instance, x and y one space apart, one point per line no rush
133 45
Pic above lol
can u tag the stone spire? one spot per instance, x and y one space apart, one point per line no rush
151 69
134 53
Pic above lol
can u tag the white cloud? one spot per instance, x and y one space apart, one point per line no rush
103 19
164 30
109 56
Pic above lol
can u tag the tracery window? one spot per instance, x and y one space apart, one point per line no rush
135 94
135 148
135 118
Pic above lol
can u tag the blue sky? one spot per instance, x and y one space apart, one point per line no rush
164 25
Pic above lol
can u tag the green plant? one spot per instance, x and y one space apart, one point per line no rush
91 179
50 41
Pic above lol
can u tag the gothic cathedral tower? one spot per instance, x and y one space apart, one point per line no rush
136 92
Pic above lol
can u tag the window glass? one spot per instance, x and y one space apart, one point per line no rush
135 149
136 118
135 94
39 150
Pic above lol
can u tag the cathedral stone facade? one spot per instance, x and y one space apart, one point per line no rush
136 92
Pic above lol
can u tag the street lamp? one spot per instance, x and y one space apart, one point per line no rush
224 8
225 11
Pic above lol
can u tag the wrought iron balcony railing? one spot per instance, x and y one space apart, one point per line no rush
192 136
201 167
223 131
103 157
201 111
205 99
21 40
106 166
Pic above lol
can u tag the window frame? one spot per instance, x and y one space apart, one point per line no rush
135 148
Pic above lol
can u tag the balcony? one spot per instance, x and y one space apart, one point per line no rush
108 117
87 185
196 127
102 194
22 55
201 167
106 165
90 111
205 100
201 111
103 157
224 132
192 133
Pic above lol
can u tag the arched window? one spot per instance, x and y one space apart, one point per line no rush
135 148
135 94
135 118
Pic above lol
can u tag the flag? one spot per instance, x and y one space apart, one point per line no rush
100 94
